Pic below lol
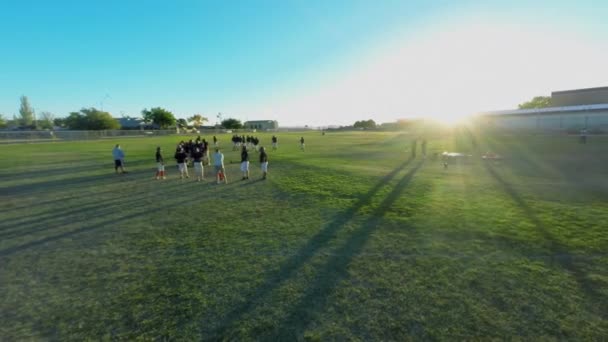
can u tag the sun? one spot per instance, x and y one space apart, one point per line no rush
450 119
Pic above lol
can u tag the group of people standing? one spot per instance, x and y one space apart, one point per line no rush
196 153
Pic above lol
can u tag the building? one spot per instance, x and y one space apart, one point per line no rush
133 123
263 125
571 110
579 97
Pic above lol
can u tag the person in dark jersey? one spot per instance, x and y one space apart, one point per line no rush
275 142
423 148
302 143
263 162
182 158
197 160
244 162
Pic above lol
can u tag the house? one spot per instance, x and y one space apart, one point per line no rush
134 123
263 125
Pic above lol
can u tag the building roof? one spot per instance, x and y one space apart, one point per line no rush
549 110
576 91
259 121
129 122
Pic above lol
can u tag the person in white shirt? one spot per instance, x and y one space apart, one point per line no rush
218 161
119 159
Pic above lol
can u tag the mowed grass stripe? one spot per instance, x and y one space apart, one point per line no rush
346 240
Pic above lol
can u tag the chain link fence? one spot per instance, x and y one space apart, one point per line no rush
7 137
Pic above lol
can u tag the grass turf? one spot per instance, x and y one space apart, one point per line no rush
350 239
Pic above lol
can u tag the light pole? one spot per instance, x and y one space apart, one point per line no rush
103 99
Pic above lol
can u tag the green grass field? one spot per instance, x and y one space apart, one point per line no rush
349 240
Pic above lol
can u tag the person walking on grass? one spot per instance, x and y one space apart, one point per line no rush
263 162
199 170
205 150
414 143
214 141
182 158
423 148
160 164
302 143
583 136
275 142
220 171
245 162
119 159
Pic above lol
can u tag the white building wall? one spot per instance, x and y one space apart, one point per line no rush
561 121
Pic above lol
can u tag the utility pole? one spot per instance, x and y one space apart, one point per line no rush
35 122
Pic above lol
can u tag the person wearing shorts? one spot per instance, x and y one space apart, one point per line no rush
263 162
197 160
119 159
275 143
205 151
302 143
244 162
160 164
218 162
182 158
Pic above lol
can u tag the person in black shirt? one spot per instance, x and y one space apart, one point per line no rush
181 157
275 143
160 164
214 141
245 162
205 150
255 142
423 148
302 143
197 160
263 162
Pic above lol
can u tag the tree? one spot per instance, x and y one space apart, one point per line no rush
365 124
197 120
231 123
75 120
59 122
536 102
46 120
26 112
162 117
3 122
91 119
182 123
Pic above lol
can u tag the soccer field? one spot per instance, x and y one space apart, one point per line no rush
348 240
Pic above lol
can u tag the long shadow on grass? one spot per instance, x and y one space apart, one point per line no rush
67 215
114 217
304 254
316 296
566 260
38 225
69 182
53 171
55 185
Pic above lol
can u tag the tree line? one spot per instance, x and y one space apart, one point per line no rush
95 119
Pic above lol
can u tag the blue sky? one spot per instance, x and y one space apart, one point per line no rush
300 62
